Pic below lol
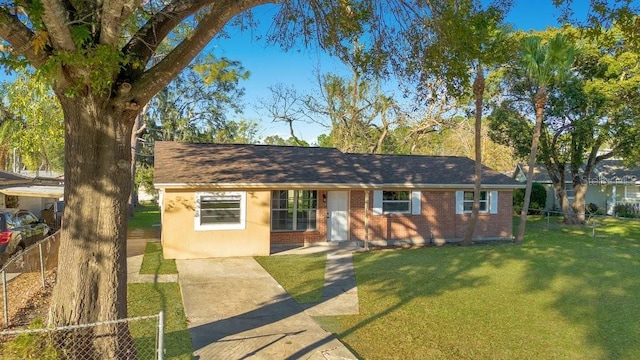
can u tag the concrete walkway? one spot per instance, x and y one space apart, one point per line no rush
236 310
340 293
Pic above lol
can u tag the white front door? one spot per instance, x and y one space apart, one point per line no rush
338 215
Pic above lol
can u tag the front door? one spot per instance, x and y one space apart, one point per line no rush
338 215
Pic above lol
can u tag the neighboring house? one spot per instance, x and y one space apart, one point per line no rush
611 183
241 200
31 193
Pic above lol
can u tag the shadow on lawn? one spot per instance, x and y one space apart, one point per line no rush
595 281
592 283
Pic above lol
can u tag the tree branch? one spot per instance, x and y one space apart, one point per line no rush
161 74
110 23
19 36
147 39
56 19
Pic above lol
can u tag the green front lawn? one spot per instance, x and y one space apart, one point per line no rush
561 295
302 276
148 298
154 262
146 216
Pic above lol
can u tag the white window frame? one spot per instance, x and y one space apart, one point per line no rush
295 210
408 202
223 226
492 202
631 192
415 203
486 201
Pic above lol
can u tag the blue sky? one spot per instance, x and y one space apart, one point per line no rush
271 65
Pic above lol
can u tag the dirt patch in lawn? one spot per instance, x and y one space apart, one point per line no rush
28 300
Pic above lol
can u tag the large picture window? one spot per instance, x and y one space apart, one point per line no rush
220 210
396 202
294 210
468 202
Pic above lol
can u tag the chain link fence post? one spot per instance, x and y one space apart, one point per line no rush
5 301
161 335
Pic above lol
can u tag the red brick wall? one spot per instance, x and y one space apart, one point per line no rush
306 237
438 219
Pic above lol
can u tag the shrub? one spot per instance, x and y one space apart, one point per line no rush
626 210
538 198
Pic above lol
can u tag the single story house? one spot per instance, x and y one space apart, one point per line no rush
30 193
611 183
221 200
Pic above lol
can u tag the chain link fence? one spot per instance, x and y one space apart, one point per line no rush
594 225
27 280
135 338
26 277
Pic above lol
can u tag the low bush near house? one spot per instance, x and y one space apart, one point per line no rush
627 210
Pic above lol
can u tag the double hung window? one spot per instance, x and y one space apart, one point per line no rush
468 201
396 202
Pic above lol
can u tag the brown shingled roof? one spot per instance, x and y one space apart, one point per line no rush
226 164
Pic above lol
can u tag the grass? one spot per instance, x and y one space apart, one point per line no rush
154 262
302 276
149 298
563 294
146 216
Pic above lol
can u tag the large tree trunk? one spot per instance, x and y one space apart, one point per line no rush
478 92
579 204
540 102
92 270
557 174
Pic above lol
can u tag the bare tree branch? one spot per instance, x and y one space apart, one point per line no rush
161 74
147 39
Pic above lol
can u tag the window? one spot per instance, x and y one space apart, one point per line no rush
396 202
468 201
631 192
220 210
294 210
488 202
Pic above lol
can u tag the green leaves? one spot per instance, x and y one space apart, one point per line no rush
35 126
545 62
91 68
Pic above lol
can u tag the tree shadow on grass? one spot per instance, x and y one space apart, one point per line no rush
561 295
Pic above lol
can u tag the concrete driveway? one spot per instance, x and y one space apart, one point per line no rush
236 310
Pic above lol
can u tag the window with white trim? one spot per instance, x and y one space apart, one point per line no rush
396 202
220 210
468 202
631 192
294 210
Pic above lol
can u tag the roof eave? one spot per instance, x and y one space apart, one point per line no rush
328 186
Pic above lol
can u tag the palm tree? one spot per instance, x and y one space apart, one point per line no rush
489 48
543 63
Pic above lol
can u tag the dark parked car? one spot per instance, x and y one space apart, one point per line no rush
18 230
